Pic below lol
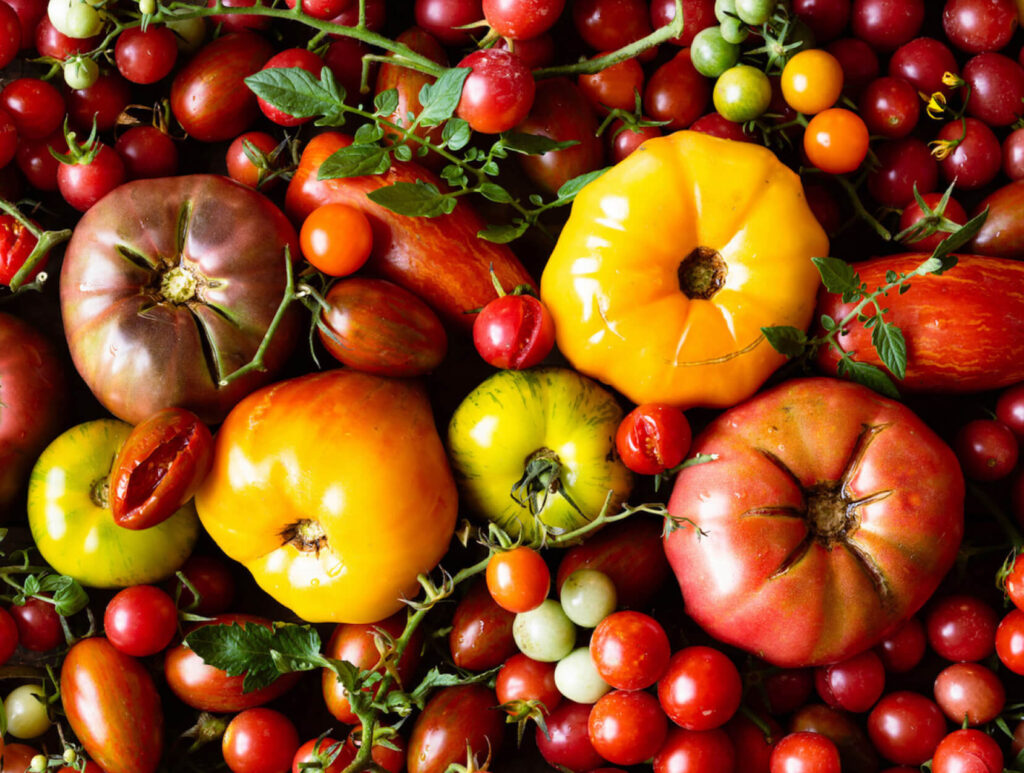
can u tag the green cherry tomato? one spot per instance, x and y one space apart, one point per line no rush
725 9
711 54
588 597
544 633
742 93
69 514
576 677
80 73
26 711
755 12
734 30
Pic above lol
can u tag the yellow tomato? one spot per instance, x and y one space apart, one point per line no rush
812 81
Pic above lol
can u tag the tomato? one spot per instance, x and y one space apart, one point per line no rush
836 141
854 684
207 688
38 625
812 81
409 82
35 105
514 331
855 750
260 740
328 752
518 579
1001 235
146 56
354 436
742 93
498 92
140 620
16 757
147 152
701 688
613 87
112 706
699 751
522 679
913 213
336 239
33 392
83 183
458 724
301 58
567 740
212 581
979 25
677 93
180 277
74 529
445 18
751 745
630 649
903 649
545 421
26 711
242 169
1010 641
481 635
906 727
969 693
804 752
627 726
964 750
653 438
712 54
890 107
792 506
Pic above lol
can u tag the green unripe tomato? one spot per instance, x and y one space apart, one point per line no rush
725 9
80 73
82 20
755 12
190 34
27 715
147 6
742 93
577 678
733 30
544 633
588 597
711 54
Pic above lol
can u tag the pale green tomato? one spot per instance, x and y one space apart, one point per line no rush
588 597
190 34
147 6
80 73
576 677
26 712
74 18
544 633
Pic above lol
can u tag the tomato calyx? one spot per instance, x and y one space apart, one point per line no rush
306 536
178 285
99 492
542 477
702 273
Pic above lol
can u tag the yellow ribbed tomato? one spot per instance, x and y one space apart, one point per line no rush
672 262
334 490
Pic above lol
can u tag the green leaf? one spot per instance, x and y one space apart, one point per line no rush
827 323
418 199
31 585
368 134
941 260
355 161
440 98
837 275
297 93
888 341
870 376
354 680
494 192
237 649
570 188
68 596
386 102
503 234
787 340
403 153
532 144
456 134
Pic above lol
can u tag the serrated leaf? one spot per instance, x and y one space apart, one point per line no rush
837 275
386 102
456 134
532 144
296 92
494 192
570 188
416 199
68 596
940 259
355 161
236 650
870 376
440 99
786 340
31 585
503 234
888 341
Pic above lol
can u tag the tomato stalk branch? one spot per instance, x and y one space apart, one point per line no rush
45 241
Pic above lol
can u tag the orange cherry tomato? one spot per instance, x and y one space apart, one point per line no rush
812 81
836 141
518 579
336 239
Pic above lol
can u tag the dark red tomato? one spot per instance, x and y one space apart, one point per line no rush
146 56
481 635
30 12
10 34
979 25
786 689
964 750
969 692
855 750
212 581
209 97
617 86
9 636
1009 641
858 60
987 450
329 754
442 19
997 89
522 679
697 15
147 152
356 644
913 213
290 57
701 689
35 106
804 752
567 741
903 649
16 244
653 438
240 166
207 688
498 93
825 206
522 19
514 331
627 726
321 9
922 62
902 164
890 107
698 751
718 126
17 757
560 112
854 684
238 22
677 93
260 741
344 58
376 15
83 184
631 650
518 579
961 628
751 745
826 18
103 102
906 727
458 725
886 24
607 25
535 53
624 140
1013 582
140 620
976 158
38 625
1013 155
51 42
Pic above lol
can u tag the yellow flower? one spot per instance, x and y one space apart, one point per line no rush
936 107
942 148
952 80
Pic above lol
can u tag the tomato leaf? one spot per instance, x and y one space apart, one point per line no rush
297 93
503 234
418 199
837 275
941 259
868 375
456 134
567 192
68 596
439 99
532 144
787 340
494 192
888 341
386 102
355 161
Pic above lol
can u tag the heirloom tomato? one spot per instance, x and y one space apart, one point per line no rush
333 489
672 262
73 527
829 517
536 448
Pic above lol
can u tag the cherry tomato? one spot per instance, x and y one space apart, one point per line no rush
443 18
606 25
977 157
624 140
961 628
653 438
10 35
140 620
701 688
1010 409
903 649
535 53
1013 582
697 15
498 93
212 580
890 107
391 759
146 56
514 332
331 755
321 9
804 752
812 81
969 692
922 62
987 449
677 93
147 153
979 25
902 165
906 727
26 711
336 239
1009 641
826 18
101 102
858 60
614 87
481 635
260 740
458 725
567 741
854 684
997 88
836 141
742 93
83 184
518 579
631 650
699 751
16 244
627 726
35 106
886 24
913 213
522 679
522 19
1013 154
290 57
37 163
964 750
38 625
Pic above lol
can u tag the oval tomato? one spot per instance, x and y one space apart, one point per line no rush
836 511
299 469
481 635
113 707
74 529
457 722
168 286
408 82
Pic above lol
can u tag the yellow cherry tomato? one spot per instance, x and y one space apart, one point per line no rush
812 81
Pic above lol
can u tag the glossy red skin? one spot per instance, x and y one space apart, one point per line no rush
701 689
33 394
1002 234
29 14
653 438
922 62
103 101
567 742
630 553
140 620
852 685
378 327
322 9
17 757
699 751
112 706
208 95
855 751
802 751
453 719
630 649
147 152
905 727
213 582
613 87
976 160
969 24
890 107
623 140
260 740
376 15
439 259
912 213
997 88
392 760
290 57
677 93
514 331
317 749
207 688
903 649
697 15
536 53
818 604
481 635
963 750
354 643
16 243
159 468
959 326
442 19
717 125
1013 154
83 184
146 56
1010 641
606 25
522 19
234 245
987 449
524 679
409 82
969 692
497 94
38 625
51 42
35 105
627 726
1014 582
751 749
886 24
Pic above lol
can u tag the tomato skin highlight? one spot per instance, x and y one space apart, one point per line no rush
514 331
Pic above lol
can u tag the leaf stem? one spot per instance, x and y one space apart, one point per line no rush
860 209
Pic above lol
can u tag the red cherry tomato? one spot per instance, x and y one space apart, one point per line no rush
653 438
514 331
567 740
804 752
522 679
16 244
903 649
906 727
701 751
147 153
518 579
290 57
146 56
498 93
964 750
852 685
332 756
83 184
913 213
969 692
1009 641
701 688
38 625
630 649
242 168
260 740
140 620
987 449
627 726
212 580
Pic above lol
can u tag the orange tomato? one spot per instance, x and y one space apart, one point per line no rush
812 81
336 239
836 141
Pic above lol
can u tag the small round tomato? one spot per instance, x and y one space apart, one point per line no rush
518 579
83 183
522 679
962 628
146 56
836 141
140 620
336 239
630 649
804 752
701 688
742 93
969 692
242 168
514 332
653 438
481 635
498 93
458 725
1010 641
26 711
1013 582
964 750
38 625
812 81
290 57
567 740
326 754
260 741
853 684
545 633
702 751
587 597
987 449
906 727
903 649
627 726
